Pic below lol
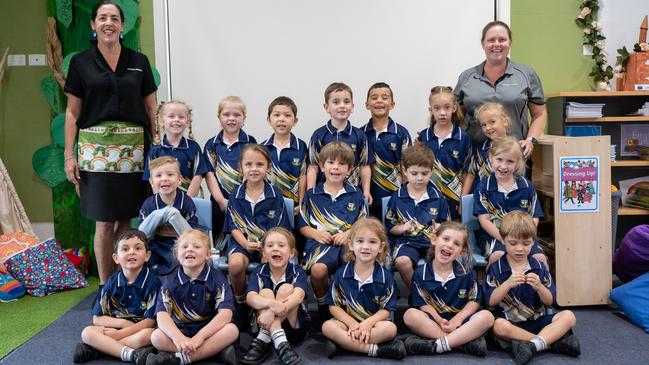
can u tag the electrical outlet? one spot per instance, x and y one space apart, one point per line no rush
37 60
16 60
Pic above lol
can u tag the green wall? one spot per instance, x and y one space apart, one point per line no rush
545 36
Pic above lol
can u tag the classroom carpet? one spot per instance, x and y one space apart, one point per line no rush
21 319
606 338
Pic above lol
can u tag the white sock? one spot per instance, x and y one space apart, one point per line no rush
539 343
278 337
184 358
372 351
264 335
127 352
441 345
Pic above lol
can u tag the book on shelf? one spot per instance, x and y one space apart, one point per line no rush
583 110
583 130
635 192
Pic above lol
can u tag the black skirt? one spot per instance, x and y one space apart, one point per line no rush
110 197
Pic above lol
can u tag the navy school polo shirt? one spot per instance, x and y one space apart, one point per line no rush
387 146
261 278
447 298
135 301
189 156
480 166
364 301
288 166
488 200
193 303
183 203
402 208
223 160
320 211
452 158
521 303
268 213
350 135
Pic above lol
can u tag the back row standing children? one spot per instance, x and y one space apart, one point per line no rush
222 156
339 104
387 140
450 143
327 213
289 154
174 117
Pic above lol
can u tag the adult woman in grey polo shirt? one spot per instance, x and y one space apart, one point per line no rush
499 79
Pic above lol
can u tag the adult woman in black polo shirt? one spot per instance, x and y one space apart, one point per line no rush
111 103
499 79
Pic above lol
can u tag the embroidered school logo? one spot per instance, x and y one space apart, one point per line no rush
189 164
456 154
393 146
432 211
296 162
351 207
208 296
353 147
271 214
461 293
525 203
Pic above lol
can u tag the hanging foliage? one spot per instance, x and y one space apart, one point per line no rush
64 12
52 92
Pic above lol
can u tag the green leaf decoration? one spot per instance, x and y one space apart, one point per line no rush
57 128
156 76
131 13
51 91
48 165
66 63
64 12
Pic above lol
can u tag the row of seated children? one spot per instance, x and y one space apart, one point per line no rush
194 306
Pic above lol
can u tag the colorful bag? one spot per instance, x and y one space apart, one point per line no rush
44 270
111 147
10 288
79 258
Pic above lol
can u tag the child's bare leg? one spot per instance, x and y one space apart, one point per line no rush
162 342
139 339
319 279
383 331
405 268
475 327
284 292
507 331
419 322
336 331
216 343
237 265
94 336
562 322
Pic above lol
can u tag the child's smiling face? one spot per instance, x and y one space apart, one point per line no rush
277 250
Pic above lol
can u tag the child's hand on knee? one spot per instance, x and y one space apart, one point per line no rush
279 308
265 319
322 237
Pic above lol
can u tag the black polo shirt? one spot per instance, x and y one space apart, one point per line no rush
108 95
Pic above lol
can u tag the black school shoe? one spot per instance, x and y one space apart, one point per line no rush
476 347
523 351
242 317
330 349
567 345
325 315
287 355
229 355
394 349
162 358
257 352
84 353
416 345
140 355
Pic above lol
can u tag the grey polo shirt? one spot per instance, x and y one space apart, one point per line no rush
519 85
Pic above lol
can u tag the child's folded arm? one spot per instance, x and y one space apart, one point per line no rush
489 227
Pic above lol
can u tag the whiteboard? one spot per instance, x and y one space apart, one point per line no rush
258 50
621 21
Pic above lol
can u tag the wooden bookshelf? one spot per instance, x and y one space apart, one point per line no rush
627 119
632 211
630 163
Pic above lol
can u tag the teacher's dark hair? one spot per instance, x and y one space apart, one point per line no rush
93 15
495 23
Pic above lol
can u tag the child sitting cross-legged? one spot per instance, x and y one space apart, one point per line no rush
124 314
276 291
447 298
362 297
521 289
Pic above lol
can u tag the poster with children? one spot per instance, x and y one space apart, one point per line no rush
579 184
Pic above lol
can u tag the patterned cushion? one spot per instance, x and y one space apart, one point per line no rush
13 242
44 270
10 288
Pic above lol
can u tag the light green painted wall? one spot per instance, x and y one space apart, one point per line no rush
545 36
